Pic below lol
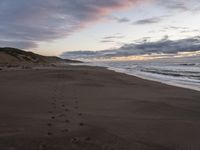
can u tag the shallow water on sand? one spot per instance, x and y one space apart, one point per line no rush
181 74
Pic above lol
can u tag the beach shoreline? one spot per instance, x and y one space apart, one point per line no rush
84 107
177 81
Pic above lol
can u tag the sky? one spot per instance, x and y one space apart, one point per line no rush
114 29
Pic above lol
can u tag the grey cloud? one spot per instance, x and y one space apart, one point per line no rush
180 29
46 20
176 28
173 5
18 44
190 31
142 40
180 5
114 37
120 20
107 41
148 21
164 45
177 6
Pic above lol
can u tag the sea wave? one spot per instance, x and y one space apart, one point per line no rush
186 75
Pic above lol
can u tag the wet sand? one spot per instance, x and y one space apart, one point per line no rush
90 108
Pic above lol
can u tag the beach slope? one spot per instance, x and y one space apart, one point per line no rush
91 108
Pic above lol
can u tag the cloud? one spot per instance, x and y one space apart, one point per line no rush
107 41
142 40
181 29
120 20
191 31
113 37
18 44
36 21
180 5
148 21
163 46
176 5
176 28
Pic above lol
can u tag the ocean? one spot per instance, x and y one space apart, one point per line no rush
184 74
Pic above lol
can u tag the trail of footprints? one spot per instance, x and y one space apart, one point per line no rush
62 113
63 116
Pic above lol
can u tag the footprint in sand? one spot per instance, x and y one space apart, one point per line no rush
87 138
80 114
53 117
49 124
66 110
65 130
67 121
43 147
81 124
75 140
49 133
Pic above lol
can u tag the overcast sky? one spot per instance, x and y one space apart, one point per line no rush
117 27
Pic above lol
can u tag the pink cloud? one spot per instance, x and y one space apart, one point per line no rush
36 20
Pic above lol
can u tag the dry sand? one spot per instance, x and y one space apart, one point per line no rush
90 108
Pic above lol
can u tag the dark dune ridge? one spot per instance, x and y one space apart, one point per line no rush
91 108
13 56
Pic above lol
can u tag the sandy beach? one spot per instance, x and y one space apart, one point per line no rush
91 108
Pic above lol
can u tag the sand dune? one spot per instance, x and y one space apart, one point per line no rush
13 56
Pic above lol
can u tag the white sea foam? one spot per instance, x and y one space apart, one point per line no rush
186 75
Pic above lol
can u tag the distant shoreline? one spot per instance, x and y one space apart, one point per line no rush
156 80
144 76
